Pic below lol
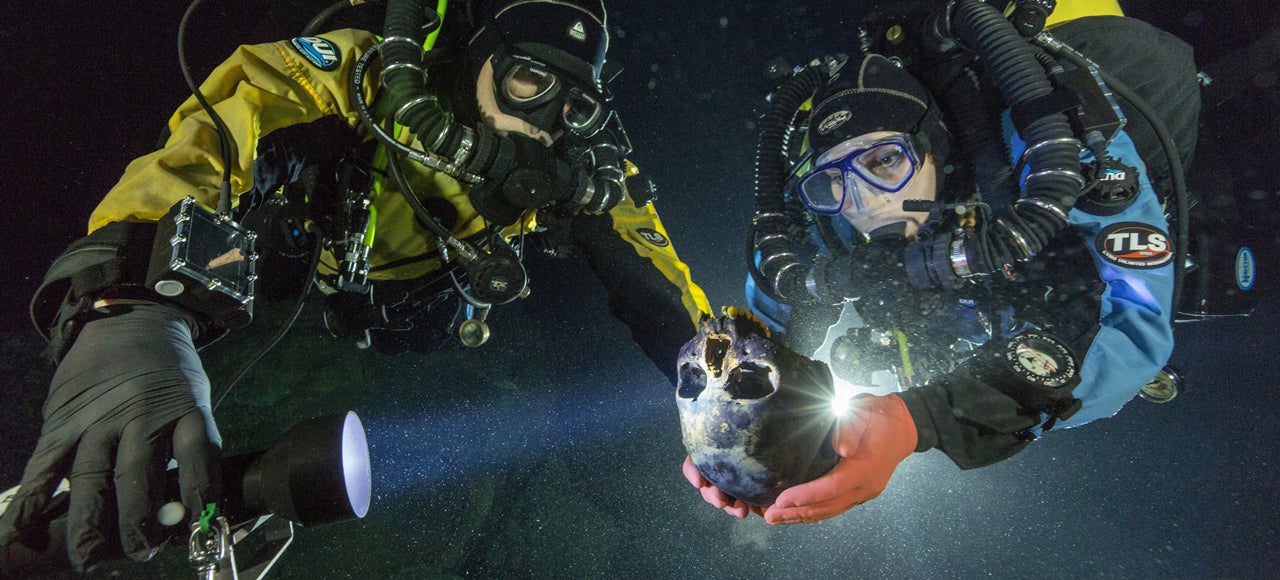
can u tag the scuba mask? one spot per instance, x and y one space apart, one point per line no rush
547 98
860 171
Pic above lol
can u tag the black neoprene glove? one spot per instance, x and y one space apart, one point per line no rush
129 395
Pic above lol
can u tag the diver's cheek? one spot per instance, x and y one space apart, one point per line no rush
504 124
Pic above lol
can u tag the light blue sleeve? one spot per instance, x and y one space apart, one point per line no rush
773 313
1135 338
1135 334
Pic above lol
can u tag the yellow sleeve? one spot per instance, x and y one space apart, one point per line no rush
649 288
1069 10
259 89
641 228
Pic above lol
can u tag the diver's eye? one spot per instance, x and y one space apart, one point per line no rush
691 383
525 83
749 381
885 161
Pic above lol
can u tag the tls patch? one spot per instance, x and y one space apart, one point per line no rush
1135 245
318 51
653 237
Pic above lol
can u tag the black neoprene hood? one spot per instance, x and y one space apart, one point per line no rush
570 36
875 95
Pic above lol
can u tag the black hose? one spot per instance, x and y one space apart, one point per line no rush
297 310
1025 228
407 24
424 217
1052 152
224 134
780 274
320 19
1176 169
976 131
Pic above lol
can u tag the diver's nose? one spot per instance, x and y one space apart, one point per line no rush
863 197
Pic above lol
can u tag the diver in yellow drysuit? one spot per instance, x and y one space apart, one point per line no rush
519 138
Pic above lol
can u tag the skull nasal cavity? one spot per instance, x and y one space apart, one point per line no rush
749 381
717 348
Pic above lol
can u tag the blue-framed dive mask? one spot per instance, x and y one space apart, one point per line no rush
859 172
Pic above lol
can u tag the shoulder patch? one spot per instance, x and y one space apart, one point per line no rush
319 52
1040 359
1135 245
653 237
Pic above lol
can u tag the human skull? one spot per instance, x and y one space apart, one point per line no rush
756 417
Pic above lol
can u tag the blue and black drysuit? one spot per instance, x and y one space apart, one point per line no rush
1104 287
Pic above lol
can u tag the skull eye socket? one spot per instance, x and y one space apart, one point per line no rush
749 381
691 383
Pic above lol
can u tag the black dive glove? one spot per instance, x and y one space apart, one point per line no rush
519 173
129 395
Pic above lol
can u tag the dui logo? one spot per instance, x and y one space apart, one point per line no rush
834 121
653 237
1135 245
318 51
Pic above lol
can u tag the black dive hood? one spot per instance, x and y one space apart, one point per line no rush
565 35
568 36
1017 234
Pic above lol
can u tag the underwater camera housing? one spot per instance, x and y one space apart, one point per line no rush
204 262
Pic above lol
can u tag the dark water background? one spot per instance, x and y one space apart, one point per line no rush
554 450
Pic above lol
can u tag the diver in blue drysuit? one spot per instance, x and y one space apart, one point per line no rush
979 370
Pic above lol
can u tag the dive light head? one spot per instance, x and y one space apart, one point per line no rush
317 473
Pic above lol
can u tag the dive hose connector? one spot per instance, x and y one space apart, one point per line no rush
353 271
943 261
209 547
1029 16
603 188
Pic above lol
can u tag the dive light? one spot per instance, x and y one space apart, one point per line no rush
317 473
